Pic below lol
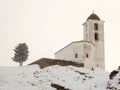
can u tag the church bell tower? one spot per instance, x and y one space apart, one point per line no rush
94 33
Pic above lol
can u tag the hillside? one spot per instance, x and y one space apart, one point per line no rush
61 77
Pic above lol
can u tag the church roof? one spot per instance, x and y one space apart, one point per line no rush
82 41
93 17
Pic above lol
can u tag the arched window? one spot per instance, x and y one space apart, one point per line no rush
87 56
96 37
96 26
76 55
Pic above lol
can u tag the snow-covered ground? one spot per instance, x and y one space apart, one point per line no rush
69 77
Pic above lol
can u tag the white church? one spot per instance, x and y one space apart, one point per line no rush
89 51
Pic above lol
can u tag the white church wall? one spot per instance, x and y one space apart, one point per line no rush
70 51
89 54
89 30
66 53
100 60
89 35
99 45
79 49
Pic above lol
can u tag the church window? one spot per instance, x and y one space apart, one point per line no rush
76 55
96 26
87 56
96 37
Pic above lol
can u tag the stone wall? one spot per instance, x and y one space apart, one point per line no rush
45 62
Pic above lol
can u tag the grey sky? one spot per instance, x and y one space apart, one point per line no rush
48 25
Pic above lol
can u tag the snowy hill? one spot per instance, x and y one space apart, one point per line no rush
50 78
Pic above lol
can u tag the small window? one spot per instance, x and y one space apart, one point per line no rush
97 65
87 56
96 26
96 37
76 55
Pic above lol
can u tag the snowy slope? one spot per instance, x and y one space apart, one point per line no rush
69 77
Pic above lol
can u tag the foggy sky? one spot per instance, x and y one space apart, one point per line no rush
48 25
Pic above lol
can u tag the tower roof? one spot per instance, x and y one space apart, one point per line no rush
93 17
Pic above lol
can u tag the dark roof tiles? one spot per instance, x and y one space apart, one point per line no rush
93 17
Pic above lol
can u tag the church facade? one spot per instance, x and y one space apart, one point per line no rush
89 51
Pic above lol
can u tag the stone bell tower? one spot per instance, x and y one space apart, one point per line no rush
94 33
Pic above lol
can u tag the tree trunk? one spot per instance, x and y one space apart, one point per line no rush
20 63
